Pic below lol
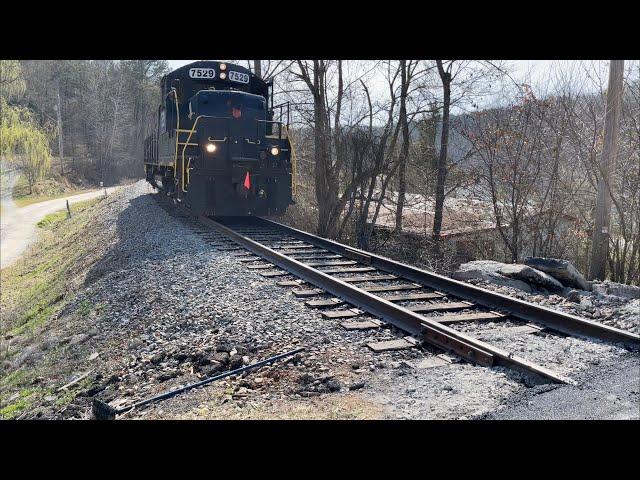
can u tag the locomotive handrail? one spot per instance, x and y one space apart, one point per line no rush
193 128
175 96
280 124
294 163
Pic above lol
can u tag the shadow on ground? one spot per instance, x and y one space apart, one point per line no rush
145 232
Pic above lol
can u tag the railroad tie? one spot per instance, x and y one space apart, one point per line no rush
348 270
361 325
330 264
392 288
309 251
357 279
520 329
301 258
278 273
325 302
290 283
288 246
261 266
312 292
413 296
467 317
352 312
399 344
440 307
249 259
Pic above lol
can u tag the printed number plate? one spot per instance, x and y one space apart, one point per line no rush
238 77
202 73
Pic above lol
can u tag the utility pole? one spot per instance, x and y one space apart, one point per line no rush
257 68
600 247
60 143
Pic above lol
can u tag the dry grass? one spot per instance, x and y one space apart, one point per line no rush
34 289
348 406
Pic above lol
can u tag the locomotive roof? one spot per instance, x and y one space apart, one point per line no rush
256 84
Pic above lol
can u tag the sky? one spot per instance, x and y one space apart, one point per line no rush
521 68
591 77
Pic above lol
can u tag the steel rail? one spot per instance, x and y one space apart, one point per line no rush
425 329
553 319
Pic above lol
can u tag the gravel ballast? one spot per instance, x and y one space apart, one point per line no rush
161 308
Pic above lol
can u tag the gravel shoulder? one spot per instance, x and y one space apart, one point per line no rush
156 308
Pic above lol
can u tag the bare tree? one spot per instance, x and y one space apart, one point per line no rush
600 250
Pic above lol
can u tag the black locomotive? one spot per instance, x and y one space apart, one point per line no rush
217 147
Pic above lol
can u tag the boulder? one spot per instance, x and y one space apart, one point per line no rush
487 270
531 276
562 270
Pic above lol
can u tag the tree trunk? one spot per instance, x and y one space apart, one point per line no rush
404 153
600 250
442 159
257 68
60 140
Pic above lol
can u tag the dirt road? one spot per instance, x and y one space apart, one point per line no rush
18 226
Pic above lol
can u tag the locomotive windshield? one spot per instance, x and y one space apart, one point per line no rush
227 103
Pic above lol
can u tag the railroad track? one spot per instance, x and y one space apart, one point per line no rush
348 284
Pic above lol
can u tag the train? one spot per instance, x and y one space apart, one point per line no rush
217 148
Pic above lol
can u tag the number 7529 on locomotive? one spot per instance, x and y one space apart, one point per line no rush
217 148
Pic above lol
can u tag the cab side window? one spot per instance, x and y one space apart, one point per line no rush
162 119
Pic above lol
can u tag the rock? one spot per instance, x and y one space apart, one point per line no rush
617 289
333 385
79 338
181 356
200 359
487 270
305 379
134 344
560 269
235 362
29 355
573 296
223 347
357 385
167 376
222 357
212 369
531 276
157 358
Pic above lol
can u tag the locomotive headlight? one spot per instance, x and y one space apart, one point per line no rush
275 151
223 75
210 147
223 66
